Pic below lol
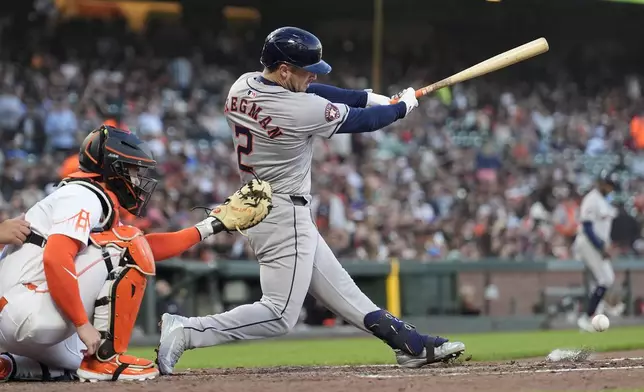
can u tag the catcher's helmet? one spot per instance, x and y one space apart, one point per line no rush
294 46
122 160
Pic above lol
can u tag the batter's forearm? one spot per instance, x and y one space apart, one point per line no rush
373 118
167 245
353 98
62 281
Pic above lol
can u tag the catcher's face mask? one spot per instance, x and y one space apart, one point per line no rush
123 161
132 186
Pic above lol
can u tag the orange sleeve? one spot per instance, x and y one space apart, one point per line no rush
60 272
166 245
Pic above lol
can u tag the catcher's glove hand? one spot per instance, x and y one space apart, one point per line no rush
244 209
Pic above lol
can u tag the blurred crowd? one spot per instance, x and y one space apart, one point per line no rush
487 168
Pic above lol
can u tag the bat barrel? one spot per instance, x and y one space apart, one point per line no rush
502 60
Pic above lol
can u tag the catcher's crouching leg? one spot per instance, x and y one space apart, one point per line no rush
412 349
114 316
19 368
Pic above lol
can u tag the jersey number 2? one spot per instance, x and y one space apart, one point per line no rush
244 149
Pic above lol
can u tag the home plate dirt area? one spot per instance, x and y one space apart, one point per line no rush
600 372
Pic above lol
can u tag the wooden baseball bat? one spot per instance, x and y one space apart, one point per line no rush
512 56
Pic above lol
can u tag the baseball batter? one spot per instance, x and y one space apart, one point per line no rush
274 116
80 264
592 242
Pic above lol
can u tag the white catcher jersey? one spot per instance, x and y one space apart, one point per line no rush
596 209
71 210
273 131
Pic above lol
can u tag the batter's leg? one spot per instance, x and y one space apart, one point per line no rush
334 287
285 246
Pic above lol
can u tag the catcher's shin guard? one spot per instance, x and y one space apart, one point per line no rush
117 308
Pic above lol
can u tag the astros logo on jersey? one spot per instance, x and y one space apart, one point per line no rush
331 112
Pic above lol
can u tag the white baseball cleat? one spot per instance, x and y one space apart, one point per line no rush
172 343
584 324
444 352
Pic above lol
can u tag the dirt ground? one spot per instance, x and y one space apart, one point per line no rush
624 370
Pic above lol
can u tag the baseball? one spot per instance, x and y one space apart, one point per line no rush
600 323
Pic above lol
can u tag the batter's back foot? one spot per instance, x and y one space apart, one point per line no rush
442 353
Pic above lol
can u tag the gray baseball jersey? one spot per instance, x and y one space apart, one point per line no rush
273 131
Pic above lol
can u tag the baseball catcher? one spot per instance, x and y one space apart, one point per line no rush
70 295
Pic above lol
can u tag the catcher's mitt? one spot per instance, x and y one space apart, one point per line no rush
245 208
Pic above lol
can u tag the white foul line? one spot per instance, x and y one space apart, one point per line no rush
588 369
626 359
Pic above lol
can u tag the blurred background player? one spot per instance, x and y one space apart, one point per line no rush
593 242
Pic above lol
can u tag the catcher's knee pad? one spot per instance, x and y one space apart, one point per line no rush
398 334
118 303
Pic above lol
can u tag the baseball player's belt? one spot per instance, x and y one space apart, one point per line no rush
36 239
298 200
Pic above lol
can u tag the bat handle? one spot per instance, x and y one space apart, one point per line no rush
419 93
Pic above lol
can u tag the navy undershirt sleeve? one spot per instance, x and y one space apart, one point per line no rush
371 119
353 98
592 236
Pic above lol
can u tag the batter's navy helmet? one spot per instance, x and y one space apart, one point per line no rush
294 46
